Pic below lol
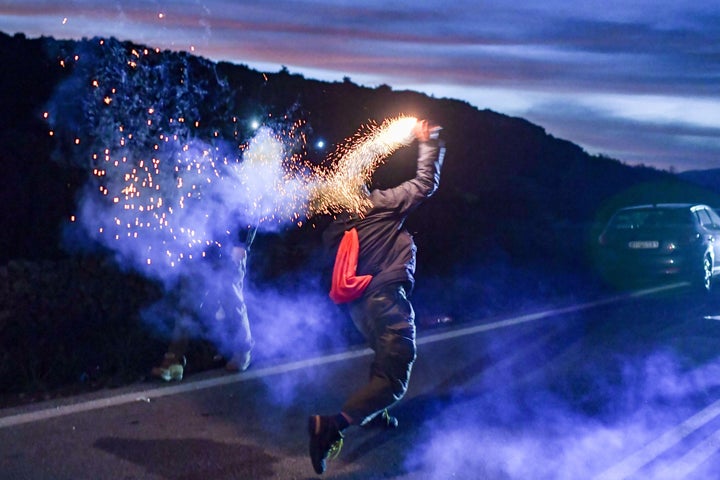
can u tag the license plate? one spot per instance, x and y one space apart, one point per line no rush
644 244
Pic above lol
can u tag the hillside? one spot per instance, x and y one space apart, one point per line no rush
517 208
499 170
709 179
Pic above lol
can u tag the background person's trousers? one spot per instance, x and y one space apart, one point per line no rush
387 320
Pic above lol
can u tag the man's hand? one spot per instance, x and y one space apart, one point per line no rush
423 131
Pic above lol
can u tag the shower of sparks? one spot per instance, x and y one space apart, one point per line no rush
344 188
182 199
169 182
174 173
270 184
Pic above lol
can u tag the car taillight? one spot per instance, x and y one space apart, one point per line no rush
683 241
670 246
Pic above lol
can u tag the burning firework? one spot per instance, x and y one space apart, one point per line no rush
344 188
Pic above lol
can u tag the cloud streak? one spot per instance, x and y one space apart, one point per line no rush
541 55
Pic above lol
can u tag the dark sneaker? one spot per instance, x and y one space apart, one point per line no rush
382 420
326 440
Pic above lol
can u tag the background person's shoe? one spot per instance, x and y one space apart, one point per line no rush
326 440
171 368
239 362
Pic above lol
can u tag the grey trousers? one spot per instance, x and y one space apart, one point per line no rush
387 320
231 330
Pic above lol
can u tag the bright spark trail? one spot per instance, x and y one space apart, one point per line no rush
343 188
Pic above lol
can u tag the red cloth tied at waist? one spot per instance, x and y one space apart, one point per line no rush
346 286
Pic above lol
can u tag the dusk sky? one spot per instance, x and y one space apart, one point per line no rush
637 80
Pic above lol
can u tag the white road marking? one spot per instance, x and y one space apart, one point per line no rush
657 447
695 457
184 387
530 317
147 395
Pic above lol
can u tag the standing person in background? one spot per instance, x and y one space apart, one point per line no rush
232 310
221 313
376 286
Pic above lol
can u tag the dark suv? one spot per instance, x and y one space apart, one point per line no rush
663 241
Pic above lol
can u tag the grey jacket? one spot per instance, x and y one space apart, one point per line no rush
387 250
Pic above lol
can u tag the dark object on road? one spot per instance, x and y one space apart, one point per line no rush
662 242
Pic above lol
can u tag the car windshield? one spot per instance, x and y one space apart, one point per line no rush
651 218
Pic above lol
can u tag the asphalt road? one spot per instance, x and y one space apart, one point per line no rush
618 387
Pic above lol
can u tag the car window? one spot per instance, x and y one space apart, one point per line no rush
714 217
704 218
651 218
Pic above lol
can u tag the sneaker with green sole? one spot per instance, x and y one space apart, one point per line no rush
171 368
326 440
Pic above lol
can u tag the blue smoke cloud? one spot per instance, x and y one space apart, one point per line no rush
511 431
172 174
176 179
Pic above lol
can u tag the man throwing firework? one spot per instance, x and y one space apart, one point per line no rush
374 276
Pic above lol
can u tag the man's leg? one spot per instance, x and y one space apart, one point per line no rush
235 317
389 320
